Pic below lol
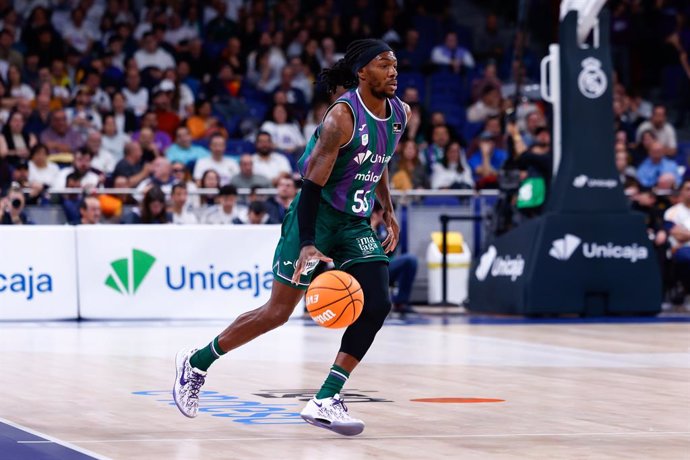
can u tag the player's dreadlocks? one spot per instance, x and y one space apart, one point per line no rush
358 54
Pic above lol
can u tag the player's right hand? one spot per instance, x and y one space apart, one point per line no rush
307 254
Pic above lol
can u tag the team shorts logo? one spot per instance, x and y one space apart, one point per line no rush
592 80
367 245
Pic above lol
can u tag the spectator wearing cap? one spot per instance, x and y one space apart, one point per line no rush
90 211
41 170
663 130
657 167
60 137
246 178
181 96
179 208
450 54
16 140
226 167
183 150
486 162
268 163
168 120
227 209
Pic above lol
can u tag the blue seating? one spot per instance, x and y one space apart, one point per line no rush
414 80
238 147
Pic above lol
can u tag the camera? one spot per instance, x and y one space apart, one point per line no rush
16 203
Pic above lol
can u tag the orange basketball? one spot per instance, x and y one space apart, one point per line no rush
334 299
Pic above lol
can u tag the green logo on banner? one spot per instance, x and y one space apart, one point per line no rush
128 274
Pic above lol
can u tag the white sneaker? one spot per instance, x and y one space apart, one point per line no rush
188 382
331 413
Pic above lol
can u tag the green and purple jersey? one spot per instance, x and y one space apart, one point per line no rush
362 161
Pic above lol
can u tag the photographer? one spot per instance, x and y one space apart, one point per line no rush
13 208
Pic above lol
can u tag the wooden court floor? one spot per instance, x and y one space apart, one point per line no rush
537 391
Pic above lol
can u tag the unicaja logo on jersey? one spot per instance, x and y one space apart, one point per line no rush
362 157
128 273
563 248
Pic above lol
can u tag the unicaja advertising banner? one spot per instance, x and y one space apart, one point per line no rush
194 272
37 273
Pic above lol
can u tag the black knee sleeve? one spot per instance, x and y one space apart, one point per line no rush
373 277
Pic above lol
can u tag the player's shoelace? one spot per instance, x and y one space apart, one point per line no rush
195 383
339 410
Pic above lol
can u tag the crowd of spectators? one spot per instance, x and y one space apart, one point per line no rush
171 97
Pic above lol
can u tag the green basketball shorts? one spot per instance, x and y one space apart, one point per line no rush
347 239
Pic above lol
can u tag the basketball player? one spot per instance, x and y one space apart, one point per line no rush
344 168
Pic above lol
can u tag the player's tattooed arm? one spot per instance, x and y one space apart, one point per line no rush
336 131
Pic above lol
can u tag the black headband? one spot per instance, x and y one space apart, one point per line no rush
377 47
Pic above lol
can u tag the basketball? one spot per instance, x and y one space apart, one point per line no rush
334 299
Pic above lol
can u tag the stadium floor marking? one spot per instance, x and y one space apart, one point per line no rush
383 438
10 431
457 400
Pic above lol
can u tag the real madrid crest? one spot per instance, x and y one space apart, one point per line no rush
592 80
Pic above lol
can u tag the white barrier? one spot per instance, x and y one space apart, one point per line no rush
38 276
135 272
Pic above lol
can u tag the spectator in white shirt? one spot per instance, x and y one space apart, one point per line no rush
112 140
227 210
286 134
181 214
102 159
16 87
137 97
151 55
81 166
41 170
225 167
451 54
663 130
267 162
77 33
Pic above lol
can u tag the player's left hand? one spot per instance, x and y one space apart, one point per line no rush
391 241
